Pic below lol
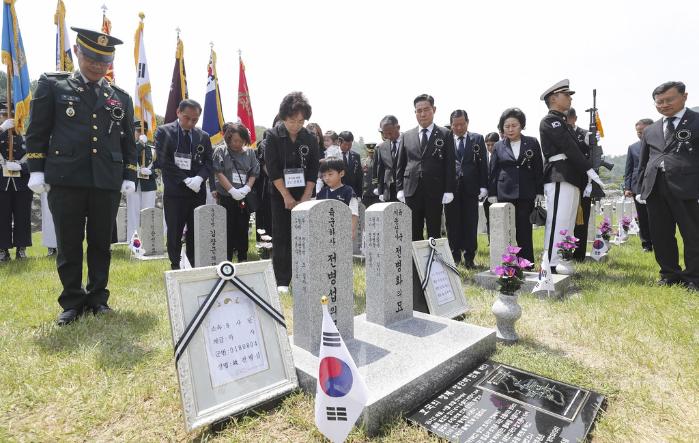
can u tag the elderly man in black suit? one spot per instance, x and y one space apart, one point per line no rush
426 176
631 188
471 186
669 182
184 154
387 159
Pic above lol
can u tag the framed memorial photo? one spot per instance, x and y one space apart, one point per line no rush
239 356
443 292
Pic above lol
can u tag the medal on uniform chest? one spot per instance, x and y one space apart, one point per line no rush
528 155
683 136
70 111
476 153
439 152
116 112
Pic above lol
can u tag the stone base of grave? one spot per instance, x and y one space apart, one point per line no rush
588 258
150 257
488 280
405 363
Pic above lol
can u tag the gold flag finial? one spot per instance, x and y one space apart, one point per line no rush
324 300
141 15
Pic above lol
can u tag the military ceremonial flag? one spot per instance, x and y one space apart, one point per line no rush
340 390
143 102
64 55
107 29
178 86
213 112
244 105
598 123
14 58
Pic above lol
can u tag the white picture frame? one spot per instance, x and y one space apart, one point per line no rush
439 302
204 402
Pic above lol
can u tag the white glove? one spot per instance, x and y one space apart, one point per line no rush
37 183
483 194
194 183
7 124
539 198
492 200
447 197
382 198
145 171
143 139
235 193
594 177
376 191
401 196
244 190
588 190
127 187
13 166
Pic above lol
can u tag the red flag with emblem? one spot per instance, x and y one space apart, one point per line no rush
244 106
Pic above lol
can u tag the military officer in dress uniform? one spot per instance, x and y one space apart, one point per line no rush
81 150
15 196
668 175
566 169
144 197
580 231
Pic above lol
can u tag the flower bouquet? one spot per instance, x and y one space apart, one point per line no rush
605 230
567 247
511 272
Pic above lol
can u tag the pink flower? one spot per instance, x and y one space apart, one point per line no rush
524 263
513 249
508 258
510 272
499 271
563 232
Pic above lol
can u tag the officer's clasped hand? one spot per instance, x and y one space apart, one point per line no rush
235 193
37 183
127 187
13 166
447 198
594 177
146 171
194 183
401 196
482 194
143 139
7 124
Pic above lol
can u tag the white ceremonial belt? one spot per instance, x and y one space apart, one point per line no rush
557 157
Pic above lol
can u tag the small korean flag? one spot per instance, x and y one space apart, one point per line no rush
545 281
599 247
135 244
340 390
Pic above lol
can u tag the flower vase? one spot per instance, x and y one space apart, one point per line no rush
565 267
507 311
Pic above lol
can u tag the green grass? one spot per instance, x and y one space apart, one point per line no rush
113 379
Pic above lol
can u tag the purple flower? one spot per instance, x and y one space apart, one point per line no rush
510 272
508 258
573 239
524 263
513 249
563 232
499 271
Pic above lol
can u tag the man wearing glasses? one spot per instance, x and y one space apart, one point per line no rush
669 182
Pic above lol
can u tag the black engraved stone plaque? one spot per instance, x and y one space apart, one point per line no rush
499 403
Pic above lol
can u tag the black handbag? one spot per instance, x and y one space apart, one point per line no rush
538 215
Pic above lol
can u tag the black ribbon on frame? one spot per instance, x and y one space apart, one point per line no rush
434 255
226 273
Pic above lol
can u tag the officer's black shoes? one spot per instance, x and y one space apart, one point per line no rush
4 255
174 267
52 252
101 309
68 316
21 253
668 282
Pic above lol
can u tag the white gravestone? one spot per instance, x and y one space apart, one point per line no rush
502 231
150 231
608 213
482 221
321 251
121 225
388 263
209 235
357 247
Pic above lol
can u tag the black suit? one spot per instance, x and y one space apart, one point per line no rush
424 176
633 156
85 150
388 168
354 175
462 213
669 182
179 202
518 181
15 198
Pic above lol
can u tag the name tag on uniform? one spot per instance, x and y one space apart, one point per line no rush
294 178
183 161
237 179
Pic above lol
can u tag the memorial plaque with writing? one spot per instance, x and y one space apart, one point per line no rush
500 403
209 235
151 231
357 246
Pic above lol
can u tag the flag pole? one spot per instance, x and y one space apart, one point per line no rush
10 141
141 15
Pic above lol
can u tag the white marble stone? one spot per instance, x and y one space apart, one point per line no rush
121 225
209 235
482 221
502 231
150 232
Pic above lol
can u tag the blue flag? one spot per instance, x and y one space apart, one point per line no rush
213 113
13 56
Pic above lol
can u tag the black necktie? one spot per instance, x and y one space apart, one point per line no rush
92 86
344 157
394 149
187 142
669 130
462 148
423 141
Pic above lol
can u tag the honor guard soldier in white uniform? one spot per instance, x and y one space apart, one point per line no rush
566 169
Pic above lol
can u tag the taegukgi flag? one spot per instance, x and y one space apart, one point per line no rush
545 282
599 247
64 56
340 390
142 100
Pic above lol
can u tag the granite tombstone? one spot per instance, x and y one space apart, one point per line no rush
209 235
150 232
